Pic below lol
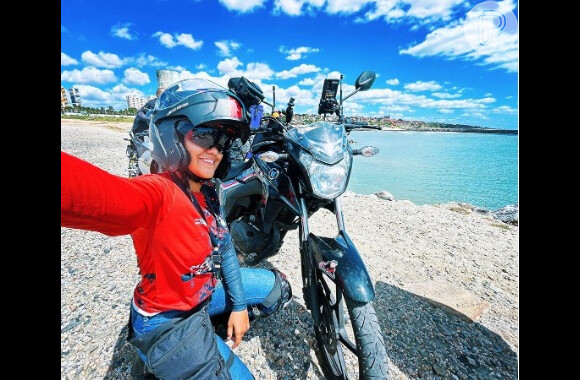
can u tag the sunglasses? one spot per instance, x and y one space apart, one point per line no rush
208 137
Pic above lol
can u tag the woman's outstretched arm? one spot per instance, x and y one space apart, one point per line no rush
93 199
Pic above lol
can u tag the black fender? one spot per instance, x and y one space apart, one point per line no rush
350 274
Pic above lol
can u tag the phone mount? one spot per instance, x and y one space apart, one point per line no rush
328 102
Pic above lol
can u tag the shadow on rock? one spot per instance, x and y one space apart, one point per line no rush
285 340
426 342
122 360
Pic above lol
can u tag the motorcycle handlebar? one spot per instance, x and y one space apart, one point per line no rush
350 127
258 130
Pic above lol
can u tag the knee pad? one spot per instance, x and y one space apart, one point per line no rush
278 298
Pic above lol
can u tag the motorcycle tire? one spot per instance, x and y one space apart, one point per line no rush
336 329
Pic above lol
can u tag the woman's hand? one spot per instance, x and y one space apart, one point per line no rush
238 324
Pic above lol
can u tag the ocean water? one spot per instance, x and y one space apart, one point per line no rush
438 167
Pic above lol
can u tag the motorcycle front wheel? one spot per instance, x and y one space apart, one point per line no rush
350 344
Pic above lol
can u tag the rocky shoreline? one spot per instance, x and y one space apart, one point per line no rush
402 126
446 280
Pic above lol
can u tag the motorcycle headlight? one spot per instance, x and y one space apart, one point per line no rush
328 181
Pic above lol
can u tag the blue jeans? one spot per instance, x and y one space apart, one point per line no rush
257 285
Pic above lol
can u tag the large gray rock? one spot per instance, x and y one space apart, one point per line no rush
508 214
385 195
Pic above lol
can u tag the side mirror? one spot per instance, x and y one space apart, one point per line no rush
362 83
365 80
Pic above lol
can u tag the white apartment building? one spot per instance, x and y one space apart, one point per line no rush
75 96
136 101
63 97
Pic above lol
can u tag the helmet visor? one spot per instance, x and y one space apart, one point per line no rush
208 137
183 89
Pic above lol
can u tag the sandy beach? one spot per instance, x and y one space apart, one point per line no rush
446 282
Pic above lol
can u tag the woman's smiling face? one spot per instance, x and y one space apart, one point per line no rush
204 162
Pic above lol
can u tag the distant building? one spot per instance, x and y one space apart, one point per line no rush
136 101
63 98
75 96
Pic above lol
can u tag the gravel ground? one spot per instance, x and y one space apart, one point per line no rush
446 286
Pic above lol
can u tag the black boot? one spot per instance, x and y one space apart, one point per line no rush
280 296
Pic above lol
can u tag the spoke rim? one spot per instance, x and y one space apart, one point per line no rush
332 326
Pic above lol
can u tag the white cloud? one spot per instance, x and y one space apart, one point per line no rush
298 70
396 108
91 93
242 6
445 95
297 53
505 109
386 9
102 59
65 60
294 7
136 77
487 99
307 82
201 66
183 39
305 100
391 98
346 6
146 60
226 47
393 11
187 40
423 86
352 108
88 75
457 42
431 9
255 71
228 65
445 110
122 31
392 82
318 80
166 39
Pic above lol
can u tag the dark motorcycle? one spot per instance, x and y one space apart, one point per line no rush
291 172
138 149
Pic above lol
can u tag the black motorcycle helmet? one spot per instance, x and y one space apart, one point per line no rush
201 103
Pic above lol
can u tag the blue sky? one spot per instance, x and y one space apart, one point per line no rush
450 61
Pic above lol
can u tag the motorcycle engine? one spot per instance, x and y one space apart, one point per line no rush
252 244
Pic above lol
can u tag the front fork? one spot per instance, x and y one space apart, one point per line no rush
306 255
337 257
306 258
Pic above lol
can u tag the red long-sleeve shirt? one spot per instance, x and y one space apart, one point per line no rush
171 239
